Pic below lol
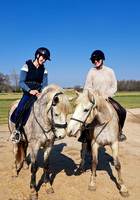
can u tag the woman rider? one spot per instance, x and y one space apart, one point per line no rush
33 78
102 78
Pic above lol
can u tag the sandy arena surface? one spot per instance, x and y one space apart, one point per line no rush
64 158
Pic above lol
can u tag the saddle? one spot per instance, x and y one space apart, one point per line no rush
120 111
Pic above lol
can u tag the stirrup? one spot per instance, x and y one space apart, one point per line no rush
16 136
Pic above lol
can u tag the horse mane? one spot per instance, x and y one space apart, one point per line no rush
48 94
104 110
86 93
52 88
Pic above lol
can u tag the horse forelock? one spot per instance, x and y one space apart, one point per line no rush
86 97
82 98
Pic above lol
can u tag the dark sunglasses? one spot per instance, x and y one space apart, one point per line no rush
97 59
44 57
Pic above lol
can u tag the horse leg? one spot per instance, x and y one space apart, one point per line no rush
47 182
94 152
25 163
15 151
33 193
82 163
123 189
34 167
19 156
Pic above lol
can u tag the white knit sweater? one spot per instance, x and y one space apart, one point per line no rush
102 80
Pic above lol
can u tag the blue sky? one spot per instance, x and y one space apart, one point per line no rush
71 29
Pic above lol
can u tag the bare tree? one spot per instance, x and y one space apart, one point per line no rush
4 83
15 80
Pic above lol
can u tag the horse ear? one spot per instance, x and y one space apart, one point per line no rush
55 101
77 93
73 98
91 97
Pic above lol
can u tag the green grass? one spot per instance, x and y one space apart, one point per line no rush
6 99
126 99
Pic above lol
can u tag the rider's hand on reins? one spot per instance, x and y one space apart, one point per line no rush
34 92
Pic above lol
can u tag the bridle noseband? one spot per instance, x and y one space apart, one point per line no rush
56 125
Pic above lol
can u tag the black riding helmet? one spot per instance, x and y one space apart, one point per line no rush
42 51
97 55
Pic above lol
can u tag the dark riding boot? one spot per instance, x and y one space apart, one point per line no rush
122 137
83 137
122 116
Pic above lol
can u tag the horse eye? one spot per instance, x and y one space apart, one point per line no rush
86 110
56 114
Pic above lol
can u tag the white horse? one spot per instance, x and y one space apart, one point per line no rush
48 120
99 116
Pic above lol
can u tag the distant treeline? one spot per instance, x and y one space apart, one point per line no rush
123 85
129 85
9 83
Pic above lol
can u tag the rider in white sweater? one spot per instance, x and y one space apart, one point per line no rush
102 79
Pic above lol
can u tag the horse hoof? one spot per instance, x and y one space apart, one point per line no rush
92 188
50 190
79 171
25 166
33 196
14 177
124 194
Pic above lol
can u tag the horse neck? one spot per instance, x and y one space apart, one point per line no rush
104 113
41 115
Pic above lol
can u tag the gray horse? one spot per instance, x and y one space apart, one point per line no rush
99 116
47 121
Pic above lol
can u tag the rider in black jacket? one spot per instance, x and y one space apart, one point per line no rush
33 78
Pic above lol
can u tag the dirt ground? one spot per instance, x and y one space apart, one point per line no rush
64 159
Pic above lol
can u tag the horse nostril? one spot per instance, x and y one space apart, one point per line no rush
60 137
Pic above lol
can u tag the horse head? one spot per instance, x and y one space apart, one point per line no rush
56 106
84 113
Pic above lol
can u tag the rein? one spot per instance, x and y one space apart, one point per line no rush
53 124
44 130
84 122
104 125
56 125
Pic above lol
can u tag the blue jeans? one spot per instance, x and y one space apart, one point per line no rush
22 112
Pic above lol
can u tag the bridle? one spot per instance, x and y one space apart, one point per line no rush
56 125
53 124
84 125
